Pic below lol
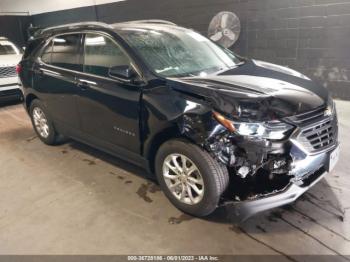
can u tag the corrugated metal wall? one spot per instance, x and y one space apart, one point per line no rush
312 36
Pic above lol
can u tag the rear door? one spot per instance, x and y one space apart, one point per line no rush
54 78
108 107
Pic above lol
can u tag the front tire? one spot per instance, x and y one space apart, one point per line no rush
191 179
42 123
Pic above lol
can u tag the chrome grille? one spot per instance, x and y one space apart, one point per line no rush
319 136
309 117
317 129
9 71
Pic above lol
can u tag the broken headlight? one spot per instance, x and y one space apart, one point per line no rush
274 130
271 130
331 109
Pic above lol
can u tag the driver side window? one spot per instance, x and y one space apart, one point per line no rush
101 53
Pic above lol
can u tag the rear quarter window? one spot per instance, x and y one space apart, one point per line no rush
32 48
66 52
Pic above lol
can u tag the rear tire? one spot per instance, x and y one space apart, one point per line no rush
42 123
191 179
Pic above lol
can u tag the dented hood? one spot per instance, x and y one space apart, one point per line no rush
256 90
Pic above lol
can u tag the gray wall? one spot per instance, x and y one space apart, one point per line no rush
312 36
14 28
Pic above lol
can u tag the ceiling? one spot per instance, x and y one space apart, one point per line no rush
32 7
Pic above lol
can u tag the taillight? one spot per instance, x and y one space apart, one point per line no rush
18 68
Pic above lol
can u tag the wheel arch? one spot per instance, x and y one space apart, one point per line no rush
160 138
29 99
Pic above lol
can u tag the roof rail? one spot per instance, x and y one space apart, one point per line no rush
151 21
53 29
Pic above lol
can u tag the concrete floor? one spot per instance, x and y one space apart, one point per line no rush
72 199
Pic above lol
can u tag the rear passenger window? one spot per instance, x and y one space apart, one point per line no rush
65 52
101 53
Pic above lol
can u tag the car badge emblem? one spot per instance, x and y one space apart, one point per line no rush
328 111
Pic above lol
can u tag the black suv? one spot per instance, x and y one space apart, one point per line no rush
216 128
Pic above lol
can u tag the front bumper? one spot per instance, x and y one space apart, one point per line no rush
10 89
9 92
314 149
317 166
246 209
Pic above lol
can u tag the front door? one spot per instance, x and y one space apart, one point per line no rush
108 107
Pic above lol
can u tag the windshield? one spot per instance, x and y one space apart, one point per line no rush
174 51
8 48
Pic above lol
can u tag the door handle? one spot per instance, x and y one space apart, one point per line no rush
83 85
39 72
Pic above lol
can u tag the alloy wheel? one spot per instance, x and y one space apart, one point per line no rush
183 179
40 122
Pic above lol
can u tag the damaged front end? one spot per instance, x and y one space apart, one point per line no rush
258 166
277 134
272 163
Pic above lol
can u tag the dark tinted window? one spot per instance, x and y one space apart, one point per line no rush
46 55
65 52
101 53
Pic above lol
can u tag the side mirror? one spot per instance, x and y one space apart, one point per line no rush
124 72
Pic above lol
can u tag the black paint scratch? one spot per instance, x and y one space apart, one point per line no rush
337 208
266 245
314 238
260 228
305 216
308 199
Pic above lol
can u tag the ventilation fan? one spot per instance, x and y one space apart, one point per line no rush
224 29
